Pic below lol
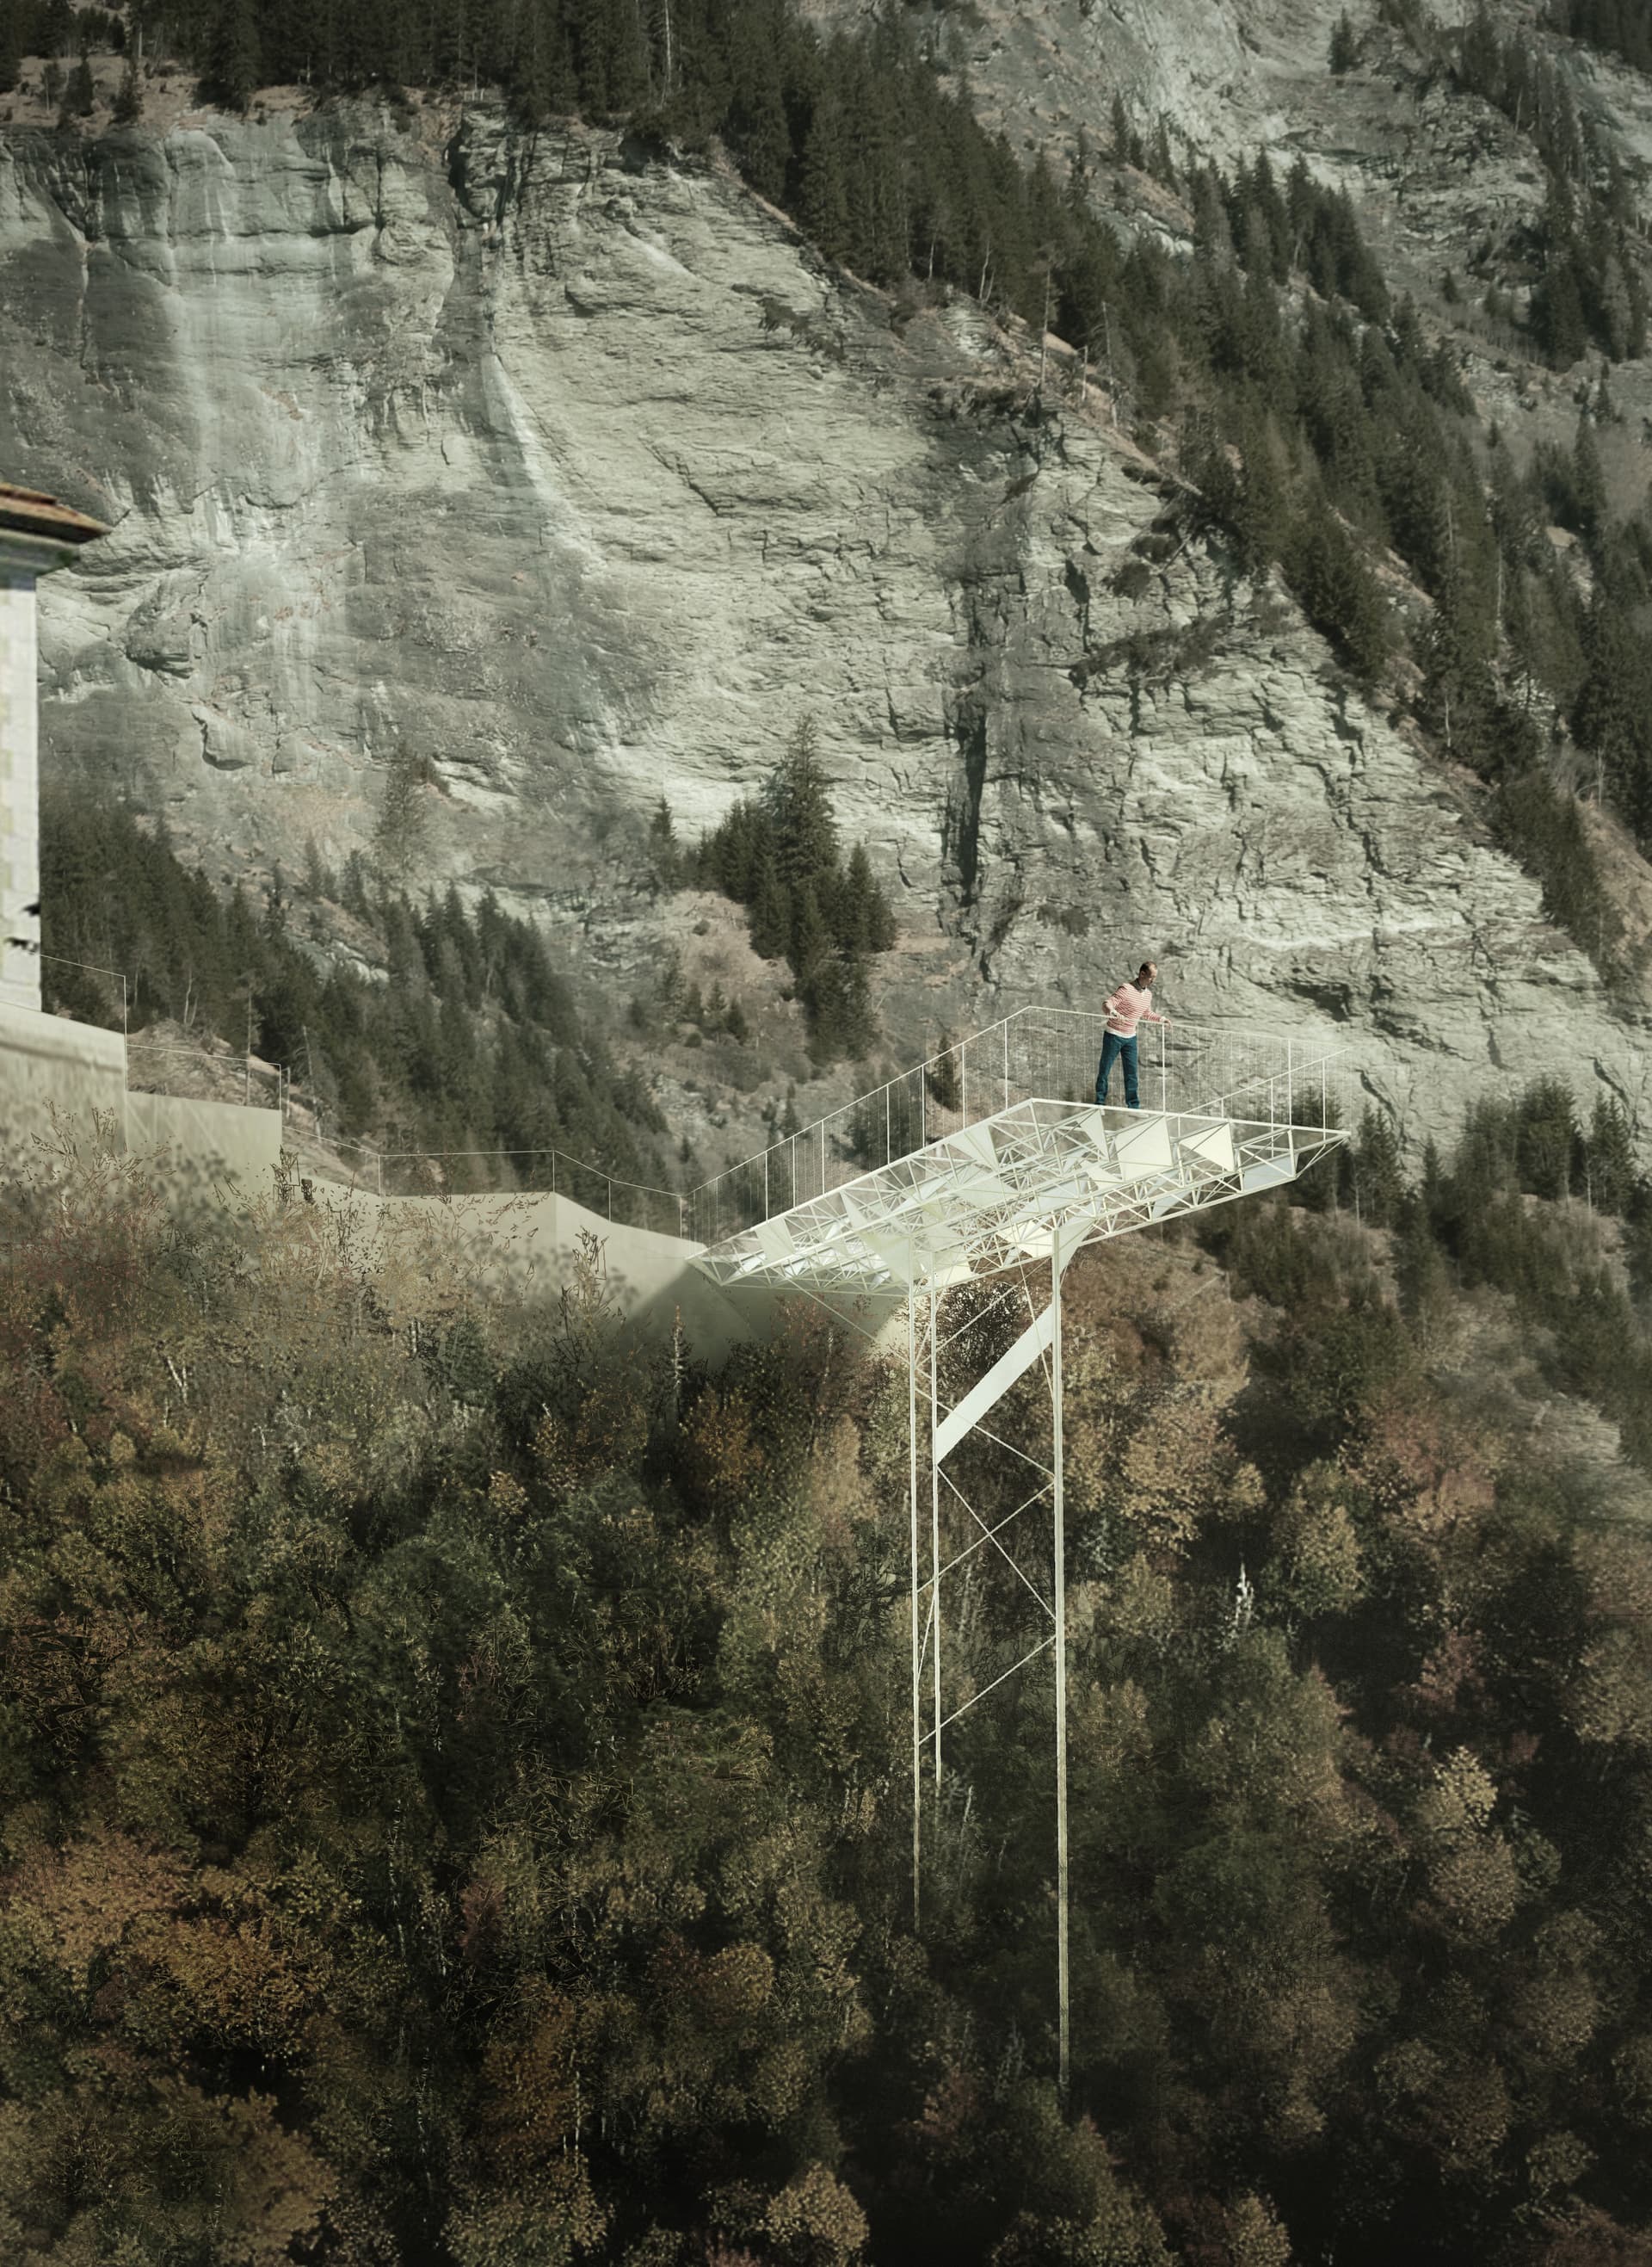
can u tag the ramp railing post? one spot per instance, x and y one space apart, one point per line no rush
1060 1557
934 1514
917 1658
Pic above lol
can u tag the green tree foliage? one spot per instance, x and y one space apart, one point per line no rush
55 29
779 857
1379 1184
454 1793
129 101
471 1042
1544 828
1338 593
1589 290
1617 27
401 830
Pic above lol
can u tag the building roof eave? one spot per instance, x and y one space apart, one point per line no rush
30 517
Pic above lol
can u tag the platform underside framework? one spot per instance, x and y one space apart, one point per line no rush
1007 1201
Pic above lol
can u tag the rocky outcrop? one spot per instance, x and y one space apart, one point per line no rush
575 474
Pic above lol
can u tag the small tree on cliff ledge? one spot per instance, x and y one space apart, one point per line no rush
403 825
778 856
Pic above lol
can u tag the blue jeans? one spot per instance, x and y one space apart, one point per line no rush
1114 1049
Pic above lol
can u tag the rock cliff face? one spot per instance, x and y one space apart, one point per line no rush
575 474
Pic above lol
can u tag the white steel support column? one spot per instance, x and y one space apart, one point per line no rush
918 1652
980 1207
934 1514
1060 1557
20 788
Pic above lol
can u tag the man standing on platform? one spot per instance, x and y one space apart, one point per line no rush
1131 1005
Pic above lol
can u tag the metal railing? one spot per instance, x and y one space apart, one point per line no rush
260 1085
93 968
1043 1053
1051 1053
538 1171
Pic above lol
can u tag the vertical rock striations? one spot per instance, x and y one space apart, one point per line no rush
574 474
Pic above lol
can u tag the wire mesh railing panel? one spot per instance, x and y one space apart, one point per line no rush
527 1173
1046 1054
1050 1054
201 1074
84 989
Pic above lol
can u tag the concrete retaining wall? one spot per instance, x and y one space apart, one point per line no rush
48 1064
214 1138
524 1245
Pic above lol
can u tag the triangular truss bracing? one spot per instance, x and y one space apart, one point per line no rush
1009 1200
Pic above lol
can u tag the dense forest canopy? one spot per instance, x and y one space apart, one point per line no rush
1620 27
455 1804
777 855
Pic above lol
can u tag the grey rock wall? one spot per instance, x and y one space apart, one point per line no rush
576 474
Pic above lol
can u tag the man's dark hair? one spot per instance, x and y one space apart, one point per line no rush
1144 970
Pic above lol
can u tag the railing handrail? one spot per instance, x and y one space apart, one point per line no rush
1308 1059
1297 1058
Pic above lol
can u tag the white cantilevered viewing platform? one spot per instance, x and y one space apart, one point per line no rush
997 1194
968 1165
993 1164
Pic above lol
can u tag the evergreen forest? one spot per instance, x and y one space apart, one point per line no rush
414 1028
456 1788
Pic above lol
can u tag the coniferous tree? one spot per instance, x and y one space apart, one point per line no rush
12 49
1611 1159
866 923
128 102
403 822
771 910
759 129
799 807
1338 592
234 67
1379 1176
823 193
1589 485
54 28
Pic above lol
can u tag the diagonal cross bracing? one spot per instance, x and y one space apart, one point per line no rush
1029 1185
944 1215
1034 1341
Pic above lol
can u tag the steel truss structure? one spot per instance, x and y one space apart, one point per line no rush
1011 1198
